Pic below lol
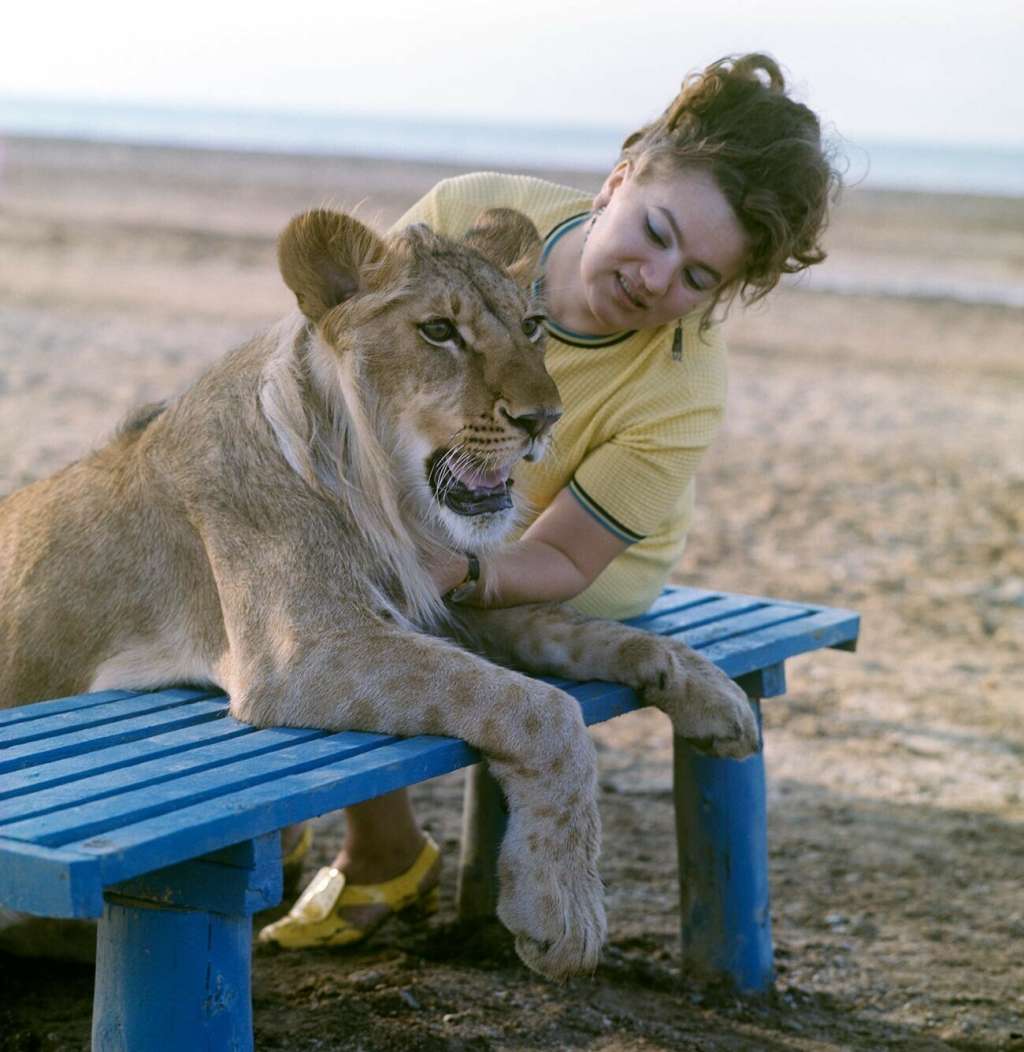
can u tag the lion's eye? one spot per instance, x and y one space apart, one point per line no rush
440 331
533 328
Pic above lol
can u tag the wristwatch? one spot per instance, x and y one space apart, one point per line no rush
465 588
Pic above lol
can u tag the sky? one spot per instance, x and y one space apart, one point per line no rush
945 71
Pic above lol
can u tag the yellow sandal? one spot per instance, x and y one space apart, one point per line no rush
333 912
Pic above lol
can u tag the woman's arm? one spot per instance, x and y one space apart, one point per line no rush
558 557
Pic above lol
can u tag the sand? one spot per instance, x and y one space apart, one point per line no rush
872 459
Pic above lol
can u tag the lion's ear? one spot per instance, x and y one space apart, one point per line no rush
506 237
325 258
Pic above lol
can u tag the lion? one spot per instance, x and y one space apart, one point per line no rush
270 530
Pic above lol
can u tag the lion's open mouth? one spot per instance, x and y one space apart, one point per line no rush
466 486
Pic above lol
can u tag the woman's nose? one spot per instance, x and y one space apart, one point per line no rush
657 275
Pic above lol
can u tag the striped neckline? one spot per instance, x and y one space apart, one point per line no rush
576 339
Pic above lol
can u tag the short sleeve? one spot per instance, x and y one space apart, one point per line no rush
633 482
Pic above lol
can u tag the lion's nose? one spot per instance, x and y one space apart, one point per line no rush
534 424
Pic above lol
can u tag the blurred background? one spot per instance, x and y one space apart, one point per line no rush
920 90
872 456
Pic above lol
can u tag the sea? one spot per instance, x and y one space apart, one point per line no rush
875 164
503 145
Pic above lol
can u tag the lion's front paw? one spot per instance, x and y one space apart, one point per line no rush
706 707
554 905
560 932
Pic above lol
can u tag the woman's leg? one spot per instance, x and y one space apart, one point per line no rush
382 839
386 866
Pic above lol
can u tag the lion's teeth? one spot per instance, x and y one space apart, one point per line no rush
478 478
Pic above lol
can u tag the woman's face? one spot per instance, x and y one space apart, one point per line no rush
661 246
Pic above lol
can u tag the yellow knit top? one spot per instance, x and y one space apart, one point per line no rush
638 417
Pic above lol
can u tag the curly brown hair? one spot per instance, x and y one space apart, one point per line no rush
766 154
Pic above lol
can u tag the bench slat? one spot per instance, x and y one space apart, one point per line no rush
204 756
41 709
693 617
170 836
122 729
672 600
58 772
99 816
678 597
201 828
75 721
775 643
743 626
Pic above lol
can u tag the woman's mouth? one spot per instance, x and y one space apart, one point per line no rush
628 292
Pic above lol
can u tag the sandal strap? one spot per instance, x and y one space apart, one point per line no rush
320 897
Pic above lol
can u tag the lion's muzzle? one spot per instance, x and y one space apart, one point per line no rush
467 487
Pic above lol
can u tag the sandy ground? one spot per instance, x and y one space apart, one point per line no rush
868 462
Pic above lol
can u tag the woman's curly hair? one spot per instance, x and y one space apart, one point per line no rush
766 154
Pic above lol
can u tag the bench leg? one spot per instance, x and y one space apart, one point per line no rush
721 825
173 954
172 979
484 817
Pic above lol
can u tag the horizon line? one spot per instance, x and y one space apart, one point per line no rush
283 110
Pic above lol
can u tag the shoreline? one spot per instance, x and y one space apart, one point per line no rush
960 248
896 194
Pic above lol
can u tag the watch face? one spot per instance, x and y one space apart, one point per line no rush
473 569
460 592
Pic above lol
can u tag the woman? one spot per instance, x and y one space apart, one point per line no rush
720 196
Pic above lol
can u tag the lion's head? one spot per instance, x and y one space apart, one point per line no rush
435 348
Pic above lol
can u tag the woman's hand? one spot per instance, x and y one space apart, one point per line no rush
558 557
447 570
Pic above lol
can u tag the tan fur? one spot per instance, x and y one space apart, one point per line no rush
269 532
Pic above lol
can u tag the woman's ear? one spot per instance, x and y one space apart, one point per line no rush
616 177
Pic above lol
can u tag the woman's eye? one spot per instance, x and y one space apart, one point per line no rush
697 280
654 235
440 330
532 328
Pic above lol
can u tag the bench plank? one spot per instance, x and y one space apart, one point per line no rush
56 772
97 817
776 643
743 625
201 828
102 735
204 756
696 615
105 714
41 709
676 598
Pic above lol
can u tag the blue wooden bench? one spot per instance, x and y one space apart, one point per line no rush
158 813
